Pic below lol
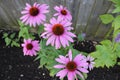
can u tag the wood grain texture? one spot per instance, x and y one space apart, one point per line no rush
85 14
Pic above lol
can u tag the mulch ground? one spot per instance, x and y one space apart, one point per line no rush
15 66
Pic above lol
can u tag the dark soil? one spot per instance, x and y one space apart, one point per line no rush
15 66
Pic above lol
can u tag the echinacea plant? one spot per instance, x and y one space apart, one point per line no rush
54 48
71 67
63 13
30 47
34 15
58 33
55 40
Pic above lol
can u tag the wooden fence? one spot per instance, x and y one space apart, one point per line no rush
85 14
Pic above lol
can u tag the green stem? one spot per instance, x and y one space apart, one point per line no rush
108 33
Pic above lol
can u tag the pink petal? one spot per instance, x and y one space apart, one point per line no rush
62 73
68 28
50 39
68 38
63 41
57 42
60 61
84 70
56 14
71 76
61 7
70 54
24 17
29 40
35 4
22 45
67 23
78 58
69 17
64 58
44 34
77 72
60 18
44 6
57 8
24 12
34 52
42 17
59 66
53 21
70 34
28 5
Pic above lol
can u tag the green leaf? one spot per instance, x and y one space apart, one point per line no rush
116 23
24 32
106 18
106 43
43 61
116 10
12 35
40 29
53 72
8 41
104 56
5 35
20 23
118 50
14 43
117 2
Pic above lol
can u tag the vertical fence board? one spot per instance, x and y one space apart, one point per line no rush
85 14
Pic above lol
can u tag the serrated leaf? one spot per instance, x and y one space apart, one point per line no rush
99 63
106 43
106 18
104 56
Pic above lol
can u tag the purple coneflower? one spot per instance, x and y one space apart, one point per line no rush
30 47
90 62
70 67
34 15
63 13
58 33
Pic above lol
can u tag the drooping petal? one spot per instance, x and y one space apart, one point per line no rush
57 42
50 40
71 76
77 72
62 73
70 54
